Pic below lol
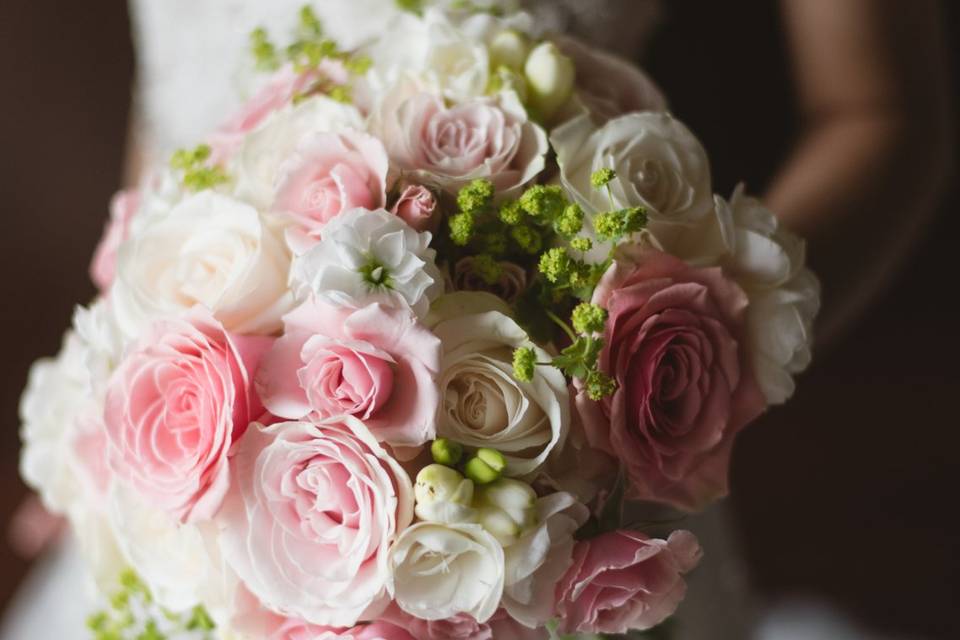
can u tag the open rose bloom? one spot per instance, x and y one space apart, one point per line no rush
385 356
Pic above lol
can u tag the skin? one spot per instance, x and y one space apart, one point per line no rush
867 173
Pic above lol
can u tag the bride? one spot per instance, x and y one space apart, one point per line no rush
188 51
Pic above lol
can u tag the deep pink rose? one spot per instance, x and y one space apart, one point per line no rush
685 387
175 405
376 363
279 90
417 206
310 518
123 206
608 85
623 580
450 146
331 173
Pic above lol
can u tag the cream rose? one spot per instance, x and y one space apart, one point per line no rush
482 404
659 164
441 570
209 250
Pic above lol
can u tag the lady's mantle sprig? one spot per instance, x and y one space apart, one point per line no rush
518 230
308 50
196 172
134 615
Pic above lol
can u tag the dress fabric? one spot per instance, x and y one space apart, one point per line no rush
191 56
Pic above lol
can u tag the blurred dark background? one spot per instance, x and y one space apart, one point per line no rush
848 493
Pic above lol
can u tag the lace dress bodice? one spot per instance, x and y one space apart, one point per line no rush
192 54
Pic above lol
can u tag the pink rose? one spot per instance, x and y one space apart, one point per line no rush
293 630
450 146
279 90
417 207
123 207
175 405
685 387
311 516
376 363
331 173
464 627
623 580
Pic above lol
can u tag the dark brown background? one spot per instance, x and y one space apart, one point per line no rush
850 492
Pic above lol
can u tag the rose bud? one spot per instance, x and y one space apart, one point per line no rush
416 206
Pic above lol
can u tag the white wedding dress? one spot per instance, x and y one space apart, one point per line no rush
190 56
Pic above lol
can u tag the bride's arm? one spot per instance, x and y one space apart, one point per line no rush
875 151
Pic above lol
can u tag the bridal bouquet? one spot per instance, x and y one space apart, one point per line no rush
435 338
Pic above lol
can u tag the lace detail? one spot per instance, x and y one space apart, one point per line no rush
192 54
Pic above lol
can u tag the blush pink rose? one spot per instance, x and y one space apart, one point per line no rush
331 173
293 630
608 85
280 90
623 580
464 627
685 386
376 363
175 405
310 518
417 206
451 146
123 207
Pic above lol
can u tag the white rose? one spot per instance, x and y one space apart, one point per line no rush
768 262
659 165
210 250
179 562
258 165
435 54
56 396
536 562
483 405
367 256
439 571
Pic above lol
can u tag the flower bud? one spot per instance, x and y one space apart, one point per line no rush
446 452
550 78
509 49
443 495
506 508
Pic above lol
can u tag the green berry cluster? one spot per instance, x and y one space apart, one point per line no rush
483 467
309 48
131 602
197 173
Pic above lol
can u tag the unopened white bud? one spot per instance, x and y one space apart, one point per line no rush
506 508
550 78
443 495
509 49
